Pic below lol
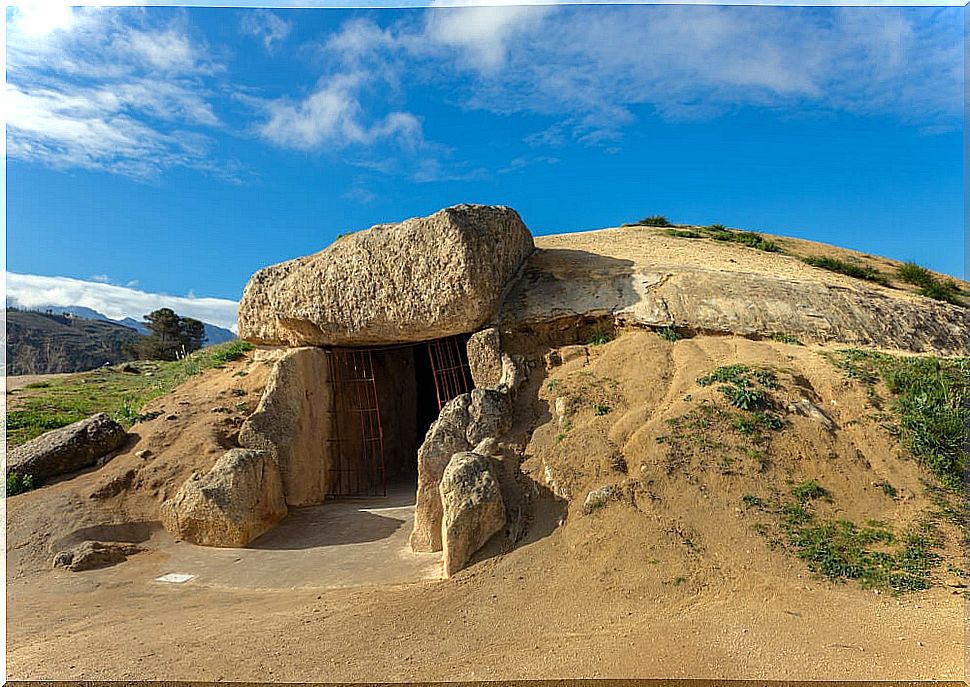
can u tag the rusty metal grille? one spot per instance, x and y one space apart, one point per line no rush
449 366
356 436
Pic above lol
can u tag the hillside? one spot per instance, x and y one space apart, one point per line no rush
732 469
40 343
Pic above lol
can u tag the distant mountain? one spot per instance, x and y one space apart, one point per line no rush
213 334
41 343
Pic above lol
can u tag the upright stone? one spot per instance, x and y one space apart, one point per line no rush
473 508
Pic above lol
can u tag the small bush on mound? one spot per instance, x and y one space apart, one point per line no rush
600 337
848 269
929 285
669 333
18 484
931 404
745 238
655 221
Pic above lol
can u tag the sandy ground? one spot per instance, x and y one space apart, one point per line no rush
676 584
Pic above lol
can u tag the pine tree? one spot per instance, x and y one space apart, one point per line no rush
170 337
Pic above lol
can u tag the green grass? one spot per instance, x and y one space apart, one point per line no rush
930 404
745 238
929 284
121 395
684 233
873 554
669 333
787 339
741 385
601 409
848 269
37 385
600 337
18 484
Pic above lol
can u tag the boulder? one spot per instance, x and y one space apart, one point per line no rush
465 422
67 449
89 555
421 279
240 498
472 507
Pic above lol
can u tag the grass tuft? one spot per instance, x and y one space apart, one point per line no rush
848 269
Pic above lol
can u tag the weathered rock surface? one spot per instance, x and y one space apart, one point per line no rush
472 507
89 555
560 283
240 498
464 423
291 424
485 357
424 278
67 449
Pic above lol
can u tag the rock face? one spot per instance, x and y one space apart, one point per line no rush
560 283
472 506
422 279
67 449
464 422
94 554
240 498
291 424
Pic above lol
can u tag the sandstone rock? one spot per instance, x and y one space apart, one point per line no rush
424 278
558 284
115 485
291 423
598 498
445 437
813 412
485 357
465 422
67 449
240 498
89 555
473 509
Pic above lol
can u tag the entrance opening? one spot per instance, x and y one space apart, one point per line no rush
384 400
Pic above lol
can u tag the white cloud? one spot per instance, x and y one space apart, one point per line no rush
591 70
266 26
99 88
117 302
333 117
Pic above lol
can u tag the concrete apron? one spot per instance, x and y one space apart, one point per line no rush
345 543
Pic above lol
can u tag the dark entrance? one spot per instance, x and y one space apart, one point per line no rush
384 401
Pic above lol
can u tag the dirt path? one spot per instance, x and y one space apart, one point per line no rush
16 382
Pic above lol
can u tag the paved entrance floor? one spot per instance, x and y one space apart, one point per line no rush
338 544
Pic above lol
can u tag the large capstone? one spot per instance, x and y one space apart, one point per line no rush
67 449
421 279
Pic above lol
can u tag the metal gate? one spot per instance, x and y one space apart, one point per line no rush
356 435
449 366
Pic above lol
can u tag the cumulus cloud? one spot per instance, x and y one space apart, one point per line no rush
98 88
116 302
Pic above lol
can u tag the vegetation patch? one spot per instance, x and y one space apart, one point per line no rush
745 388
651 221
600 337
930 404
18 484
849 269
929 284
786 339
873 554
119 394
669 333
718 232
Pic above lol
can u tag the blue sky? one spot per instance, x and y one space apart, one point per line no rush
177 150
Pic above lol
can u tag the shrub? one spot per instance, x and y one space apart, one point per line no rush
929 285
745 238
809 490
684 233
600 337
848 269
18 484
669 333
655 221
